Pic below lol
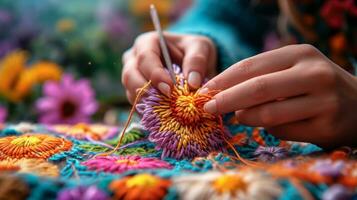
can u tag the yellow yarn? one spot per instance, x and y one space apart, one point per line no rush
142 180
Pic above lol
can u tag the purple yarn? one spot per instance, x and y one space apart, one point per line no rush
270 154
328 168
168 140
82 193
337 192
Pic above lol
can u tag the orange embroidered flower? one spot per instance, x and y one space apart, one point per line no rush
33 166
84 131
140 186
32 146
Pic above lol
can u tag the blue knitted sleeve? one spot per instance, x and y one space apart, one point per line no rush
231 24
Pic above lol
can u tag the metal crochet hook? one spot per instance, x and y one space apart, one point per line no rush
163 45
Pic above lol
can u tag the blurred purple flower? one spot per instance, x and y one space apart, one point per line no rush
270 154
337 192
3 114
82 192
5 17
114 23
329 168
68 101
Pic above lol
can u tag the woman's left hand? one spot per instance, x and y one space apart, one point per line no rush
295 92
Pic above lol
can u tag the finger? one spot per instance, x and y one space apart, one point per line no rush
132 79
195 62
150 66
270 87
281 112
264 63
175 53
130 97
296 131
127 55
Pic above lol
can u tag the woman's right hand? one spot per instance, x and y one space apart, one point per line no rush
195 54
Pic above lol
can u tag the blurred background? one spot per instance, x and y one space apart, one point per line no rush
61 62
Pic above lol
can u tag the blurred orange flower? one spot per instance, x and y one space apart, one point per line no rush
17 79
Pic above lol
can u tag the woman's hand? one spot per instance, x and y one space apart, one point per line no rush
295 92
196 54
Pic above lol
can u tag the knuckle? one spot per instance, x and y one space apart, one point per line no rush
145 37
220 100
143 55
323 74
260 90
198 59
156 74
244 67
307 50
333 105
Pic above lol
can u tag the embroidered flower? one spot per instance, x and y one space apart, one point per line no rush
82 192
178 124
32 146
34 166
120 164
84 131
140 186
270 154
67 102
228 185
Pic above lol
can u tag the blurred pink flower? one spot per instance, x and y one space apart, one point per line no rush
120 164
68 101
3 114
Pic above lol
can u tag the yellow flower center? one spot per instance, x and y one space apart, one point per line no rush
127 162
185 108
229 183
26 141
142 180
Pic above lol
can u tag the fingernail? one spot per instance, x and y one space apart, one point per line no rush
164 88
203 91
194 79
211 106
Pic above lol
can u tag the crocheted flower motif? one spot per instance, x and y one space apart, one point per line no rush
140 186
35 166
228 185
271 154
32 146
120 164
84 131
82 192
178 124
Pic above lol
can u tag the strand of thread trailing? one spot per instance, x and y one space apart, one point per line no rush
140 93
243 160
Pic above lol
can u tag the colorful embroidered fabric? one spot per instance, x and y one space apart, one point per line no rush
42 162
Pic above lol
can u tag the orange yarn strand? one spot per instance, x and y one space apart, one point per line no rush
140 93
243 160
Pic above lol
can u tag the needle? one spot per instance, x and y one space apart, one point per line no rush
164 49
